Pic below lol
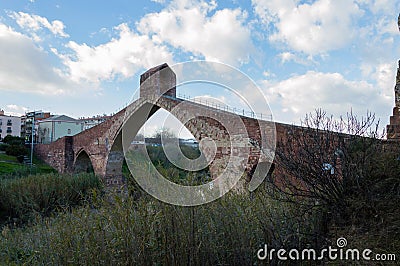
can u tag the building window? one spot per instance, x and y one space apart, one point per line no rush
9 122
1 122
69 131
9 130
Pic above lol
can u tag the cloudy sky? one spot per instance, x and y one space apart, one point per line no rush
83 58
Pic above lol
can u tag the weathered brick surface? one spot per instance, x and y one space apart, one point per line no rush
162 82
58 154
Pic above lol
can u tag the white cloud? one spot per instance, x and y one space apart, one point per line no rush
291 99
378 6
15 110
26 68
36 23
313 28
286 57
386 25
189 25
272 10
381 72
385 78
183 24
268 74
16 107
289 56
122 56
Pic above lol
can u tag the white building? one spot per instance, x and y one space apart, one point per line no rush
58 126
93 121
9 125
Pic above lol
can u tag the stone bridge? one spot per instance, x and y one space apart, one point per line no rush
101 146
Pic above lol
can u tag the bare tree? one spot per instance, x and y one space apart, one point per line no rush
326 161
315 160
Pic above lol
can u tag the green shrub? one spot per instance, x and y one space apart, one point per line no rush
13 140
173 173
21 198
16 150
3 146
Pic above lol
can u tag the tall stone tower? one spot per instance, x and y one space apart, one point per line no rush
158 81
393 129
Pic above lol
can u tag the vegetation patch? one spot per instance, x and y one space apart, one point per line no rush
8 158
125 231
22 198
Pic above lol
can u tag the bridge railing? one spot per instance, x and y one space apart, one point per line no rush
227 108
222 107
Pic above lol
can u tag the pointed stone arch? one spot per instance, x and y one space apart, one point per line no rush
138 113
83 163
115 157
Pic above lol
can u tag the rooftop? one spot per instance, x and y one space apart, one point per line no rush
60 118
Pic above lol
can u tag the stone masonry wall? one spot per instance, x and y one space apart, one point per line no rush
58 154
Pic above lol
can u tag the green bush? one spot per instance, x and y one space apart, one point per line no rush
13 140
173 173
22 197
16 150
3 146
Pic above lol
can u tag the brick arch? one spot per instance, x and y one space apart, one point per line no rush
140 111
82 162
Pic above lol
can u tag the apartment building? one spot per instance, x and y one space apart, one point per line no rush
27 121
9 125
58 126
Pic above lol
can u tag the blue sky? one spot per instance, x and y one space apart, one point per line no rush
83 58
